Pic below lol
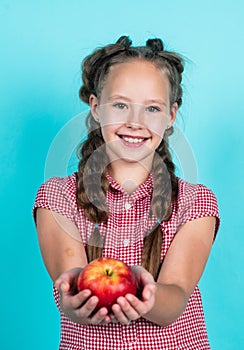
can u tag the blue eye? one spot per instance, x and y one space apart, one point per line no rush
120 105
153 109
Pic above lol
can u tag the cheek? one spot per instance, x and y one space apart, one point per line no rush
108 131
108 119
158 126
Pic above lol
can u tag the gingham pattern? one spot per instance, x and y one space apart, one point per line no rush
127 224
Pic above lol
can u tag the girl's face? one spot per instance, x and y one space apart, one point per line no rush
133 110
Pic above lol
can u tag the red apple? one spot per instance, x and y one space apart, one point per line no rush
108 279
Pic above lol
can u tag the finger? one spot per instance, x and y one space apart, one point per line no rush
139 306
113 319
146 283
88 308
120 316
146 278
66 279
148 291
130 312
79 299
101 317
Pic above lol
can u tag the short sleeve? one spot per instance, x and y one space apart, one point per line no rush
197 201
58 195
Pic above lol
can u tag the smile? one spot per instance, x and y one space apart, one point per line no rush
133 140
136 141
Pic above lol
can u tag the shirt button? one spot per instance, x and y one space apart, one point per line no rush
127 206
126 242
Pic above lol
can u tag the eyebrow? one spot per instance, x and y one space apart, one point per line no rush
114 97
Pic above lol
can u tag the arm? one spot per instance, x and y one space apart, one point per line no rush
64 256
60 243
181 270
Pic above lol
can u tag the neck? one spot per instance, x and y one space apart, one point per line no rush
130 176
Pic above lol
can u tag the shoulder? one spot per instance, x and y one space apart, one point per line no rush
195 201
67 182
58 194
197 192
57 185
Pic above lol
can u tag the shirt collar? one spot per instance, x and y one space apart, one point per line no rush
145 189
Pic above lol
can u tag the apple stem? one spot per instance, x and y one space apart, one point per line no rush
108 272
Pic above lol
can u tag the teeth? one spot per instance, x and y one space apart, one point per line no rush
132 140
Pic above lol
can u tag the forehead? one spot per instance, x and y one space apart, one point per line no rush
136 78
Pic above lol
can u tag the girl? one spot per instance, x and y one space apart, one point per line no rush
126 202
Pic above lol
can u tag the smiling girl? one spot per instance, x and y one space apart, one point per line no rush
126 202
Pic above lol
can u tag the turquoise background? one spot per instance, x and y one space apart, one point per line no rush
42 44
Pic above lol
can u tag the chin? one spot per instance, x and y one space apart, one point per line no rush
137 156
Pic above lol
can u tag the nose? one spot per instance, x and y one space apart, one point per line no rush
135 117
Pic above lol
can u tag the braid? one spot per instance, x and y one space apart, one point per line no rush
175 69
95 66
151 253
92 185
165 188
156 45
163 151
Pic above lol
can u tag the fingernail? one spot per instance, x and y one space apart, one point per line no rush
121 302
63 287
148 294
86 294
93 301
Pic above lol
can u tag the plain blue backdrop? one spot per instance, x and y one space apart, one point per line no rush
42 44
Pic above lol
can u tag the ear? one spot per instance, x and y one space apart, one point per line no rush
93 102
173 113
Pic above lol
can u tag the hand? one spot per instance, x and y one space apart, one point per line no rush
130 307
79 306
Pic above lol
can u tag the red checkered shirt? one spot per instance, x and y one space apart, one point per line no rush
124 231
